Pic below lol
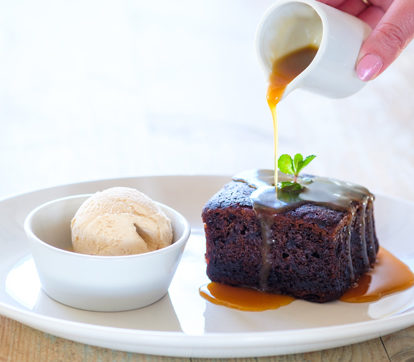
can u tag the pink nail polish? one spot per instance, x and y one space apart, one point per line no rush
369 66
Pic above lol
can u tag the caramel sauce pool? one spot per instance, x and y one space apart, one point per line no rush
243 298
284 70
388 276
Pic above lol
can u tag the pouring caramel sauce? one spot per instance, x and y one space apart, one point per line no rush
284 70
389 274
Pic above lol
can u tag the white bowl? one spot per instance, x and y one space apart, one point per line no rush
99 283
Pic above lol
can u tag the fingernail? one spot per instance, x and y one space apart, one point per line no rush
369 66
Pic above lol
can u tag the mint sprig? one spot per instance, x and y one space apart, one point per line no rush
293 166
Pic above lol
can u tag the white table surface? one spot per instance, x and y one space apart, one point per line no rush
102 89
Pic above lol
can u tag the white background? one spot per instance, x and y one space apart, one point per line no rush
102 89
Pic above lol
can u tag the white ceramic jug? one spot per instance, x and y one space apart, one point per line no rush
292 24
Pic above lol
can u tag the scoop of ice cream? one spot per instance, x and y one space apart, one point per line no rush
120 221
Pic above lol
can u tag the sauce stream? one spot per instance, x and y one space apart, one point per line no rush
284 70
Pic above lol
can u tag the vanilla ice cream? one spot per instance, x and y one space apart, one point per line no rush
120 221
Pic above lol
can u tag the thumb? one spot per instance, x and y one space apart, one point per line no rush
387 40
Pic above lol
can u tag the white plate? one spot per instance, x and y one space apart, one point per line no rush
182 323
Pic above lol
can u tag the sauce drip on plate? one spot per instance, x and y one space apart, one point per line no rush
389 275
243 298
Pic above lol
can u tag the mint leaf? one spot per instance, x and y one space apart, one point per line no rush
305 162
285 164
285 184
297 161
290 186
293 166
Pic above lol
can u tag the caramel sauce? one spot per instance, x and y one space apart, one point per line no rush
388 276
243 298
284 70
330 192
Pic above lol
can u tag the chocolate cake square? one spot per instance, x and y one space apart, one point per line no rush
310 251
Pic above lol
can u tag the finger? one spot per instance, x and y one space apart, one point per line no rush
372 16
383 4
353 7
334 3
390 36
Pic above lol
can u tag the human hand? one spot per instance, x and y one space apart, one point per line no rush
392 22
